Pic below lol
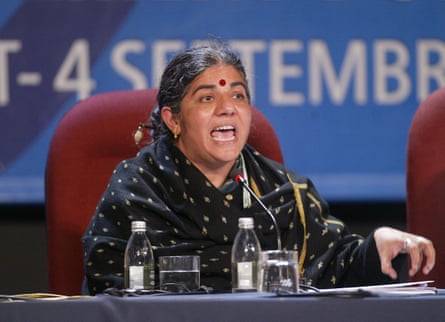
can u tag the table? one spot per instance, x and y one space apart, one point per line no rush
228 307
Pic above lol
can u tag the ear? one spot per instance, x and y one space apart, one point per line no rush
170 119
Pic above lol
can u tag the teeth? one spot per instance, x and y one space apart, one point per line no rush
225 128
224 133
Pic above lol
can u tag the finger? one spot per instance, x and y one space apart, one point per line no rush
416 261
386 267
429 252
415 254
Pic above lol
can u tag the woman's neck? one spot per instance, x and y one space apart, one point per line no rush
217 175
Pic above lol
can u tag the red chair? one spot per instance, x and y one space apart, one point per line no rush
91 139
426 178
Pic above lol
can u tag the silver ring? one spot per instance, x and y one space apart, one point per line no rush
406 245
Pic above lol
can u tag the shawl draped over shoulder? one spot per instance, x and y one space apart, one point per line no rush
186 214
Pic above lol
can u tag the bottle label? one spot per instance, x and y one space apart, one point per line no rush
245 275
136 277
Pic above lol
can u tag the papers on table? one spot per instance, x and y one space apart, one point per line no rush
410 288
38 296
395 289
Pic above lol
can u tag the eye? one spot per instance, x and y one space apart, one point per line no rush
206 98
239 96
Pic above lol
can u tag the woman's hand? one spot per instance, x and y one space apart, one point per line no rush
391 242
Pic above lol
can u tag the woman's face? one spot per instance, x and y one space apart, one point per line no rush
215 118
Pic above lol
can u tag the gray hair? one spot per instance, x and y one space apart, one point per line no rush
180 73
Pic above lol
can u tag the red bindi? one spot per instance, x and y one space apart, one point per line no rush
222 82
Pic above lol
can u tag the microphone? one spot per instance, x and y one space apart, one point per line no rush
240 178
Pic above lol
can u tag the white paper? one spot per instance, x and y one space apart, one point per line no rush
409 288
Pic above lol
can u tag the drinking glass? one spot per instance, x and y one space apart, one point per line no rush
278 271
179 273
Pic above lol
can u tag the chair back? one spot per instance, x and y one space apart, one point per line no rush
425 178
88 143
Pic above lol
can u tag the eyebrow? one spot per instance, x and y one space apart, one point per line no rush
212 86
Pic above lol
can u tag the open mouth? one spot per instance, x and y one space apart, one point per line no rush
223 133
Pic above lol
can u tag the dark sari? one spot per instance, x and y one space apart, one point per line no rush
186 214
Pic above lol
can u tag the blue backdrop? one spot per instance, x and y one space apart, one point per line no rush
339 80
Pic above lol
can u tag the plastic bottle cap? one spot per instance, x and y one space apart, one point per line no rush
138 225
245 222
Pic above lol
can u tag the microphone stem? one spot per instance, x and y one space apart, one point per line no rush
277 229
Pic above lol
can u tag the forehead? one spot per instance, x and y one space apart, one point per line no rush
214 74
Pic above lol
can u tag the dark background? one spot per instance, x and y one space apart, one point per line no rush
23 238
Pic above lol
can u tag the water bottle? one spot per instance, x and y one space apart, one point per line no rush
245 256
139 261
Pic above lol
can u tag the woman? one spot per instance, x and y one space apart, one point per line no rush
182 186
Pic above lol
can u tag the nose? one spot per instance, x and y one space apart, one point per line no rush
225 106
